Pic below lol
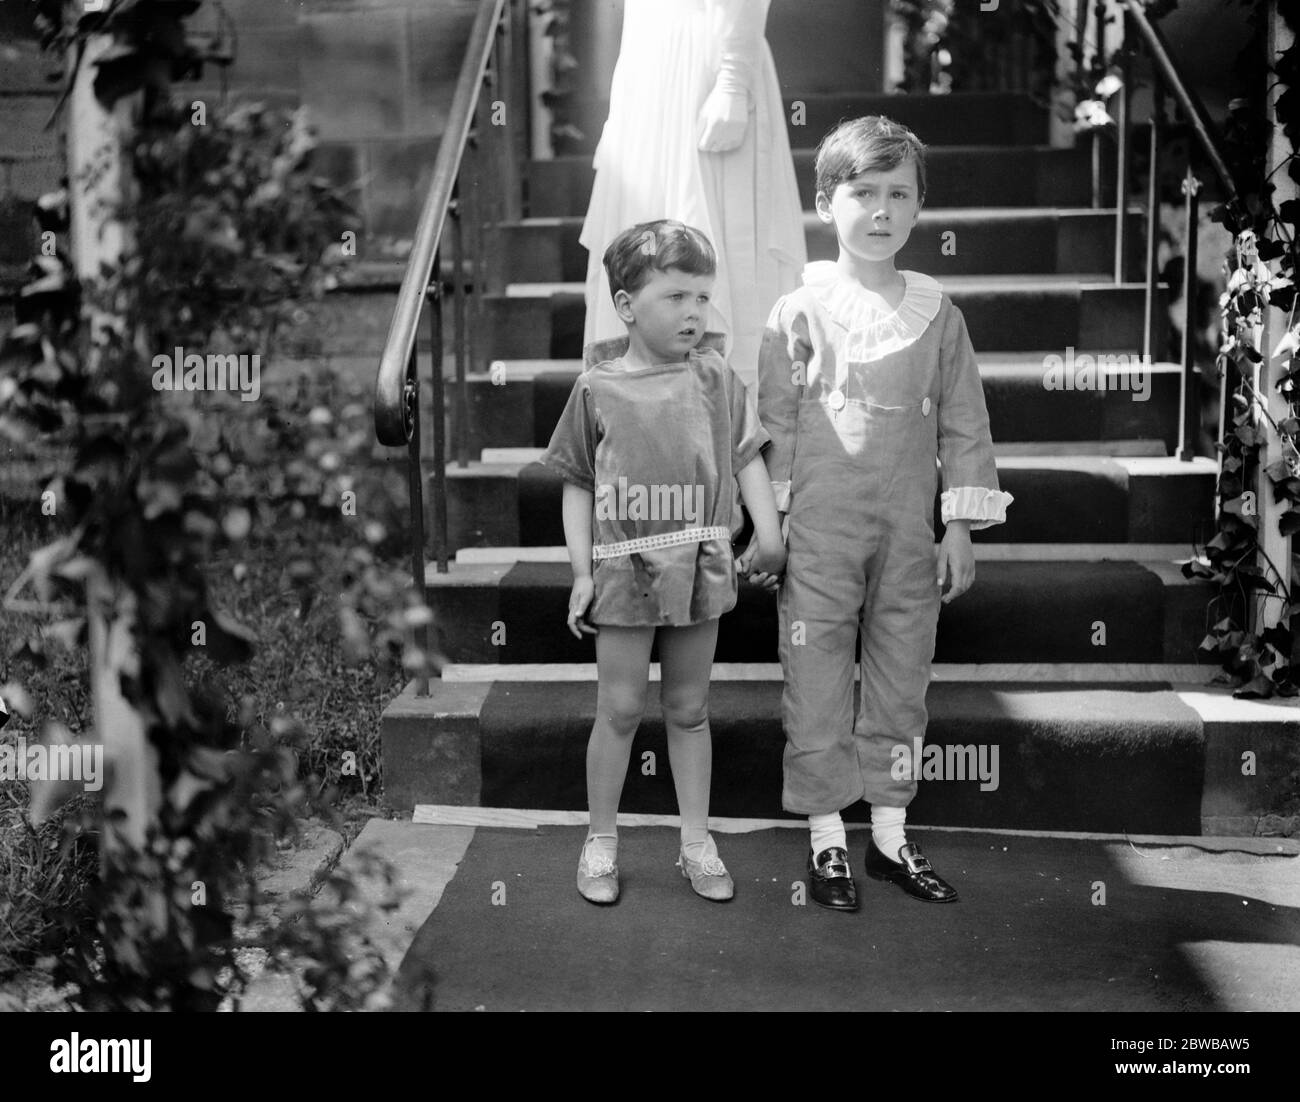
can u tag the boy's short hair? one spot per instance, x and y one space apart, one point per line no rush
872 143
657 245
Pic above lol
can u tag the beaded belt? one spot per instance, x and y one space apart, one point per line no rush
663 539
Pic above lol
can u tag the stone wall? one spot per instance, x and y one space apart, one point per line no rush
376 75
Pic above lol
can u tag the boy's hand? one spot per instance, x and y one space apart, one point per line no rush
580 596
762 566
956 559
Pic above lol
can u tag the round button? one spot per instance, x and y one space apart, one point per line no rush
925 406
836 400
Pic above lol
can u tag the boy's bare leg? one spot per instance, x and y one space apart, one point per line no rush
623 668
686 664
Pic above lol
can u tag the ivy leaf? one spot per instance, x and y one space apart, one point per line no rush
1259 686
1282 298
1289 524
1290 340
185 788
228 640
1247 435
1278 637
1268 249
1237 506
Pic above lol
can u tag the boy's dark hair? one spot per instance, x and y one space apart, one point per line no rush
657 245
872 143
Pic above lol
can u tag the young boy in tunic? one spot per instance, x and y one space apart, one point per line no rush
649 444
866 378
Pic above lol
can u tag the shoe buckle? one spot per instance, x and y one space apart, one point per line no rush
834 869
918 863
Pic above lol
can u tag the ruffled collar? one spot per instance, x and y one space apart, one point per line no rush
874 330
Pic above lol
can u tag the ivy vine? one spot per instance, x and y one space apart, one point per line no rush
232 231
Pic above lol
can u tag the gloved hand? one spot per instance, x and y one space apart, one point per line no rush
724 117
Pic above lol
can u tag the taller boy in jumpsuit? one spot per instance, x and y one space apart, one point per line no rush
866 378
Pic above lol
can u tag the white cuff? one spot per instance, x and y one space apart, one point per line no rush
978 504
781 491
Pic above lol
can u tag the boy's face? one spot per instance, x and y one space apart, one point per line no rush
873 214
668 312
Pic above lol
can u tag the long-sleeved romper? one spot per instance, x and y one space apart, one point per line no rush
860 402
659 448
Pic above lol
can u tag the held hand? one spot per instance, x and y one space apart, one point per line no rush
956 559
579 601
762 566
723 120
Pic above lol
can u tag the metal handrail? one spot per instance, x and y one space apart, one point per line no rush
462 190
394 422
1190 103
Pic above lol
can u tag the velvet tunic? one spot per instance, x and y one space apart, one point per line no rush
659 448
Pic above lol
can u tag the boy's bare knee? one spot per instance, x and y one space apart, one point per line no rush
685 712
622 710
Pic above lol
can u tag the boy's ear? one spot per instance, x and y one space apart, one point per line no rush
623 306
823 205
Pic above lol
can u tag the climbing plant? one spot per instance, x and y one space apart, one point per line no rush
1260 660
232 231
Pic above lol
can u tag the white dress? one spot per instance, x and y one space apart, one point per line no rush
649 165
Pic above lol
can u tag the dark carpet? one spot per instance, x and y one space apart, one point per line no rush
1026 935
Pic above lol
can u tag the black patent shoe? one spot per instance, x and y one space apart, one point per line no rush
830 881
913 874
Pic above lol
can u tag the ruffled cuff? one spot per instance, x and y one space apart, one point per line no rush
978 504
781 491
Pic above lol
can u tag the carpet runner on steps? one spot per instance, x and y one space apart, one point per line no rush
1067 757
511 932
1016 612
947 241
1021 407
1058 499
957 176
1022 313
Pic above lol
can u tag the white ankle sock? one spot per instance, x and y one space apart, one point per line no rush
827 831
887 829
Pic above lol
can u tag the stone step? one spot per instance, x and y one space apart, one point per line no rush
1013 313
1059 499
967 175
1153 756
519 402
1113 611
946 242
958 118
